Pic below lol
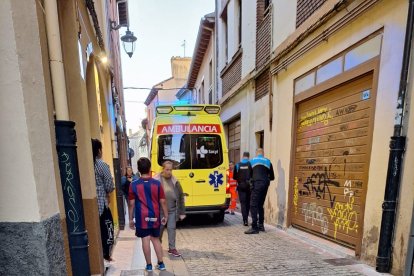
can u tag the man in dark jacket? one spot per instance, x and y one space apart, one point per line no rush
242 174
262 175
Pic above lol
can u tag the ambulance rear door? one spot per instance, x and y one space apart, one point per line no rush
208 167
175 146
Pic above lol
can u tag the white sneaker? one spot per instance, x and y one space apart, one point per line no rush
107 264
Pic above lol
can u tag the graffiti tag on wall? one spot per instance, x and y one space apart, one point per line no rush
318 115
348 192
318 184
70 191
343 216
295 195
314 214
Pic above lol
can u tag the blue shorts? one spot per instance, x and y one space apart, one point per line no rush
142 233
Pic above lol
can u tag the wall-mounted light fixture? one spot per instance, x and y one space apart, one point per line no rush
128 39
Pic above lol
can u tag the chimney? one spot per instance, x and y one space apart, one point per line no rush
180 66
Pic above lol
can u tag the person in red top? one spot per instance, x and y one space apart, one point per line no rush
147 196
232 188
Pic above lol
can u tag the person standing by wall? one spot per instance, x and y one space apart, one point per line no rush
104 186
242 174
232 188
126 182
262 175
127 179
175 203
147 196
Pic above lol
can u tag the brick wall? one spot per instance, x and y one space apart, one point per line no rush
263 40
306 8
262 85
232 74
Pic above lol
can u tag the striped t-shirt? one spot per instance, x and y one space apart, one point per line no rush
147 193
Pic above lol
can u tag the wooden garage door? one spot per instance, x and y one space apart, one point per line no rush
333 144
234 141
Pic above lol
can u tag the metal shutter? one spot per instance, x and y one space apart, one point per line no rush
333 145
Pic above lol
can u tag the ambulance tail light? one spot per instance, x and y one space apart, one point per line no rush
212 109
228 188
164 109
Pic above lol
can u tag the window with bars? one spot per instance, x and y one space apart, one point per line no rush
262 84
305 8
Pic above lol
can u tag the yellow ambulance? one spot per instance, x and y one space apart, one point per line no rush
192 137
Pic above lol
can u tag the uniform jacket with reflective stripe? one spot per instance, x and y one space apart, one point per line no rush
262 169
242 171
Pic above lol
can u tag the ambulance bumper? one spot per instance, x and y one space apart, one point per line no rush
208 209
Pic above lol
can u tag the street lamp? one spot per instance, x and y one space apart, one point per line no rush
128 41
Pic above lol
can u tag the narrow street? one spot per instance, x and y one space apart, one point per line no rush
298 109
223 249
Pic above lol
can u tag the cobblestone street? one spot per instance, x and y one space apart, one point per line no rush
224 249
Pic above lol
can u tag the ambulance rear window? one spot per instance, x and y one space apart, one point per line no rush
207 151
175 148
190 151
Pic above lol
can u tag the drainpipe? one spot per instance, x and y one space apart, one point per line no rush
66 148
397 148
409 261
55 59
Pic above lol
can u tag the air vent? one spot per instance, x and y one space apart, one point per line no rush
123 19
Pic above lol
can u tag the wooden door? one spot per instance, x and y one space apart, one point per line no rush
234 141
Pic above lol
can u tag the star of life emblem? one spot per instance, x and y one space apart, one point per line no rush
216 179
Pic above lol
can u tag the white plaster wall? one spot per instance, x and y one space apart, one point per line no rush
253 115
28 188
386 14
248 37
284 14
234 106
238 106
18 200
261 114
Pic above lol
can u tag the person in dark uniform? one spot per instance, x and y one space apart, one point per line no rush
262 175
242 174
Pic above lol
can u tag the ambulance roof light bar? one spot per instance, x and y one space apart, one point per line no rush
188 108
166 109
212 109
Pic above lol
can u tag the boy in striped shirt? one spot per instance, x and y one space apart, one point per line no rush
147 196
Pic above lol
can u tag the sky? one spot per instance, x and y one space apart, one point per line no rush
161 26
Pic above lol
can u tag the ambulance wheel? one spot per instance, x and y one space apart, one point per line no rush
218 217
